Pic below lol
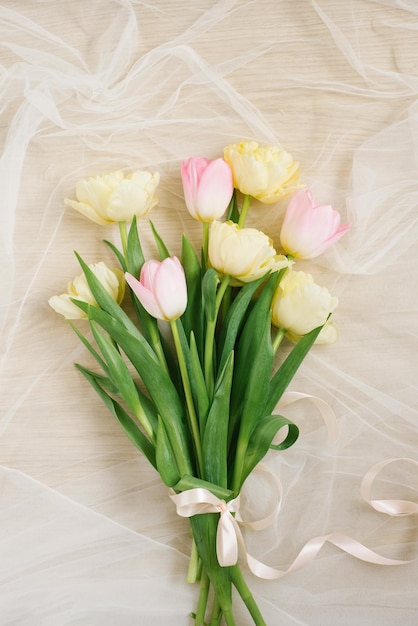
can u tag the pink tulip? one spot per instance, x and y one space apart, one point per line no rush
161 288
207 187
308 229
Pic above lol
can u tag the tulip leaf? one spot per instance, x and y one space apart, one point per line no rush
128 424
235 318
106 383
166 462
192 482
233 212
134 255
89 347
209 287
261 438
155 378
162 248
192 318
122 378
257 385
215 438
118 254
253 336
287 370
198 384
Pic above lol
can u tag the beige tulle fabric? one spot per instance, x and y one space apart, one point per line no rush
88 534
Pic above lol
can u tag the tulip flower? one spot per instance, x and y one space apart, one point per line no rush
299 305
308 229
115 197
111 279
207 187
242 253
161 289
266 173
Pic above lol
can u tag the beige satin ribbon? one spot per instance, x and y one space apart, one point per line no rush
390 507
229 537
327 414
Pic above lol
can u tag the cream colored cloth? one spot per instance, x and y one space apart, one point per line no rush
88 534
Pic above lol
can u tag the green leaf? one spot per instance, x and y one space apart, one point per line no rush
235 318
128 424
191 482
118 254
166 462
155 378
197 381
89 347
122 378
233 212
134 256
192 318
162 248
215 438
210 283
261 438
287 370
254 353
258 382
105 382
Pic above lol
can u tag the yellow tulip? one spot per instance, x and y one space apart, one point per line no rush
115 197
266 173
300 305
242 253
111 279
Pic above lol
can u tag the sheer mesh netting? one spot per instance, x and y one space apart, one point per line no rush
88 534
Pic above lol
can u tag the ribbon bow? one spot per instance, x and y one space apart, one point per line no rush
198 501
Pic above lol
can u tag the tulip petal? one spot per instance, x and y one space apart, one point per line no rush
148 272
170 288
309 229
62 304
88 211
215 190
145 296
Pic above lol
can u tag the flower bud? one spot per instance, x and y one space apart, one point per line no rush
111 279
161 289
207 187
308 229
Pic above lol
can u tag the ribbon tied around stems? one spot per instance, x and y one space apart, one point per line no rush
229 537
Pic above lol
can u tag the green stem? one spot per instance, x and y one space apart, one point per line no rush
242 588
244 210
195 566
203 600
123 237
278 339
240 453
216 613
188 393
210 338
155 340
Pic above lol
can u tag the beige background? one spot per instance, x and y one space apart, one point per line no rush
88 535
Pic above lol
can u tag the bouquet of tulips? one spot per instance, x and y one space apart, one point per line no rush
200 403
